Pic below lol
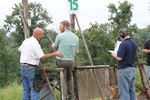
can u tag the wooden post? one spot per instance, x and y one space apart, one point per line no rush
72 26
107 83
75 78
25 18
72 22
62 81
85 44
145 80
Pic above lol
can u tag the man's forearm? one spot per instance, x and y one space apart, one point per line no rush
47 56
146 50
116 57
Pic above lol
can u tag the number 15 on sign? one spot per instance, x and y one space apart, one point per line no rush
73 6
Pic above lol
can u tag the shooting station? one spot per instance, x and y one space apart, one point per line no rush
93 82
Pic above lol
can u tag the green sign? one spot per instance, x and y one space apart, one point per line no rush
73 6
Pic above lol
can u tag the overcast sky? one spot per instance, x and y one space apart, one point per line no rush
90 11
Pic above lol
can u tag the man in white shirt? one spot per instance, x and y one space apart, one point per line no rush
31 54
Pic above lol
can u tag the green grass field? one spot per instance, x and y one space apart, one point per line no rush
12 92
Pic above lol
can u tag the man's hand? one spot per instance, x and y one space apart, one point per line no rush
59 54
54 47
115 56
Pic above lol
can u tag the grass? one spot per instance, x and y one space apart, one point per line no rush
138 80
12 92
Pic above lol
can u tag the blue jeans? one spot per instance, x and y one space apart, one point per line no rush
126 82
28 76
148 72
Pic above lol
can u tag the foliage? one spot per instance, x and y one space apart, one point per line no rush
13 37
8 60
14 25
99 42
141 36
144 34
120 17
101 38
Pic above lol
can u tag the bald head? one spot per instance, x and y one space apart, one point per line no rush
38 33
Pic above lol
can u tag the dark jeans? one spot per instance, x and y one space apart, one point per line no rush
68 76
28 76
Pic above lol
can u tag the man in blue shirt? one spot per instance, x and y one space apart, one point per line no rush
126 57
67 43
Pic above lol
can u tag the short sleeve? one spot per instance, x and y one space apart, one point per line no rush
146 45
57 40
38 51
121 51
20 48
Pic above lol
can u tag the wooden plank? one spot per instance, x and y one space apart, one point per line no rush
75 79
99 84
107 83
52 69
93 67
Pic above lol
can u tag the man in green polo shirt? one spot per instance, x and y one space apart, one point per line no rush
67 43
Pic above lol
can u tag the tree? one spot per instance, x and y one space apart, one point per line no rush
141 36
8 59
144 34
100 37
14 25
99 41
120 17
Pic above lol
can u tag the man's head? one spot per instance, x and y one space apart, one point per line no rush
38 33
64 25
123 33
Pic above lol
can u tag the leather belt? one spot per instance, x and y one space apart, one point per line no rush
29 64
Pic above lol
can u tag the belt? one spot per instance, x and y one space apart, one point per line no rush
29 64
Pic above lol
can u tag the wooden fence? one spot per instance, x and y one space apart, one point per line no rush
94 82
